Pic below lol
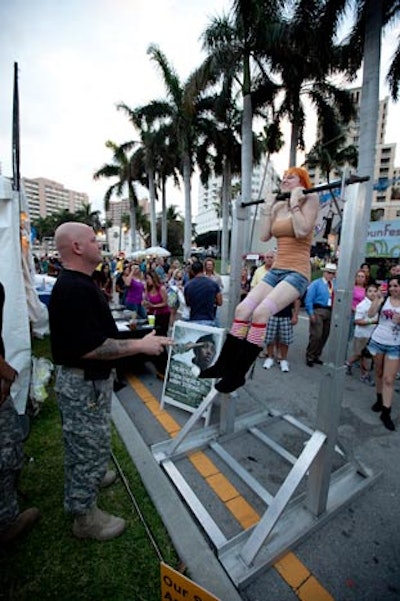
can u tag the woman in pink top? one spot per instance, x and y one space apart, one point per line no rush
133 281
155 301
292 223
359 288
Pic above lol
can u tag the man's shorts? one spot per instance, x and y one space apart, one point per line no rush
359 345
279 329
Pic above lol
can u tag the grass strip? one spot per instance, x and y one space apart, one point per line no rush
50 563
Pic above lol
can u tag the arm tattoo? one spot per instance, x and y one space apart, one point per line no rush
112 349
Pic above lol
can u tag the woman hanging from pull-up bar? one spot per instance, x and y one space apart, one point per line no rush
292 223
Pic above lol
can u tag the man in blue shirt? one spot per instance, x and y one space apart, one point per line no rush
318 303
202 296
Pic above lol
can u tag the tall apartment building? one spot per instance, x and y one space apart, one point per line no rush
385 173
120 239
208 218
46 197
118 208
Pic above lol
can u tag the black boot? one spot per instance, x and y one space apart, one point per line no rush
234 376
225 360
378 405
387 420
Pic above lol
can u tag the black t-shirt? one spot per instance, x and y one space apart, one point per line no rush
286 311
2 299
80 321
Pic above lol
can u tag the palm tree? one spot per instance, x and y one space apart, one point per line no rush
304 56
228 60
142 118
122 168
364 45
178 112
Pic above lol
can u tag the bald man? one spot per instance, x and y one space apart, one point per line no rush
84 345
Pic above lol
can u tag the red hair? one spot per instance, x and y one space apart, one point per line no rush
302 174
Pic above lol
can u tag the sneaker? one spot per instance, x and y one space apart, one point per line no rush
268 363
284 366
349 369
366 378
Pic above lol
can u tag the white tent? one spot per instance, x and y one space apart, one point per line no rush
152 251
22 308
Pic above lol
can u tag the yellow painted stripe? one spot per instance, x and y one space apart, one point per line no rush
243 512
203 464
290 568
222 487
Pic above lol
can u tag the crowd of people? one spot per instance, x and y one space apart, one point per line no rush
85 342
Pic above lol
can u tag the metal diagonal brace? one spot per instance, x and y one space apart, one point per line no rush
206 402
282 498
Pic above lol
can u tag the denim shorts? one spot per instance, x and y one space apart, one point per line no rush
295 279
392 351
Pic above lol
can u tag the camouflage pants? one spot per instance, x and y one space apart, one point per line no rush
11 461
85 407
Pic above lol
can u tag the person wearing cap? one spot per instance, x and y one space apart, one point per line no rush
318 303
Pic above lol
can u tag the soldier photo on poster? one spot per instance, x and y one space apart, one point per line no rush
195 348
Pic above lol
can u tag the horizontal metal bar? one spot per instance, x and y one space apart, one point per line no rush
205 519
242 473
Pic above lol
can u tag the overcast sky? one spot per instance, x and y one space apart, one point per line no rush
78 58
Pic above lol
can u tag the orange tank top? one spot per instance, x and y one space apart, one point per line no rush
293 253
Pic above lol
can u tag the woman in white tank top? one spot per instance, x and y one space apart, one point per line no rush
384 345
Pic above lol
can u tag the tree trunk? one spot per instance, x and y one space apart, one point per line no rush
152 194
187 238
226 204
293 145
132 211
164 231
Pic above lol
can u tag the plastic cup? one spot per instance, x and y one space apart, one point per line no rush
152 320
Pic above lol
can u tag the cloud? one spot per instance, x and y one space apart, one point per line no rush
76 61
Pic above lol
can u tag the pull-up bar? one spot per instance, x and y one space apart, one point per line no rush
352 179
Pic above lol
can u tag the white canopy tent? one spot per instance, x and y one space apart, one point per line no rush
22 309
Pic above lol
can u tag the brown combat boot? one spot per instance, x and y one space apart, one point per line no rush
21 525
98 525
109 478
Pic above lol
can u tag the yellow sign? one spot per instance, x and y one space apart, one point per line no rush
176 587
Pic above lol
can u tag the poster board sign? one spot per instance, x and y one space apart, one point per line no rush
176 587
195 347
383 239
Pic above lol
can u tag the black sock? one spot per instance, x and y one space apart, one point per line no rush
379 397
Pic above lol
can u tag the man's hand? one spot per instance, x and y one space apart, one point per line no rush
154 345
7 377
5 386
6 371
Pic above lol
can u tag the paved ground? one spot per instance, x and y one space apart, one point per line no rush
353 556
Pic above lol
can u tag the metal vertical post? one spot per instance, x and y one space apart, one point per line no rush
352 245
238 248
